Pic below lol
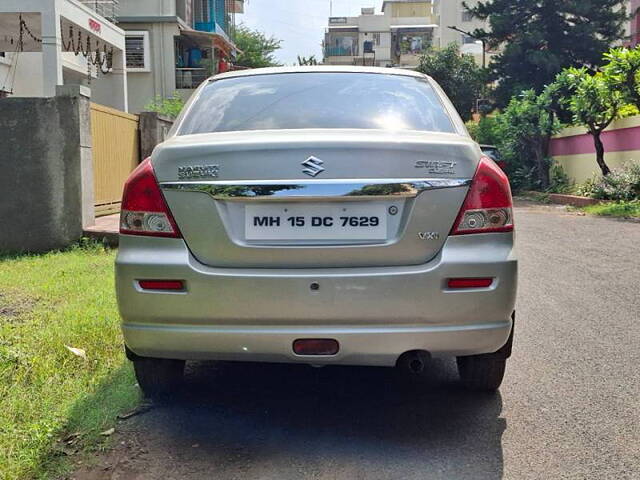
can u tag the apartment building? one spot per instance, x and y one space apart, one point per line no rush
174 45
400 34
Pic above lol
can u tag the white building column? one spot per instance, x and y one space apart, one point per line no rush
118 80
51 50
111 89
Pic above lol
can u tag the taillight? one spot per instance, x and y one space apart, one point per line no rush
488 206
144 210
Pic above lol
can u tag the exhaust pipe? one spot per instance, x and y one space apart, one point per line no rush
416 365
414 361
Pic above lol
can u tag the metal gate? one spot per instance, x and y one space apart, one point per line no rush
116 153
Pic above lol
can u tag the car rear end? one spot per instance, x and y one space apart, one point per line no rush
321 216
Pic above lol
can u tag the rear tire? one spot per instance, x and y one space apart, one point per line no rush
482 372
158 378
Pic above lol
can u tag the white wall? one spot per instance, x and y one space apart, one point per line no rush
29 78
147 8
373 23
451 14
28 75
161 80
5 63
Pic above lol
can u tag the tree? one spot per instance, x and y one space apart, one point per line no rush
525 129
595 103
623 72
459 76
257 49
302 61
538 38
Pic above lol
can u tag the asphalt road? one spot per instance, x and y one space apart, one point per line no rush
569 407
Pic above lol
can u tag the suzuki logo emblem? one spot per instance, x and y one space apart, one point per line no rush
314 166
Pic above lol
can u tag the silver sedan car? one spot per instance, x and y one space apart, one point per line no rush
318 215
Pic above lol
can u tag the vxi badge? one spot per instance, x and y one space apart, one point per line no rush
435 166
191 172
429 235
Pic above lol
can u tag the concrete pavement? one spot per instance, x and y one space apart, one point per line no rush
569 407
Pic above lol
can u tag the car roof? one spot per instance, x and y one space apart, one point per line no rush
318 68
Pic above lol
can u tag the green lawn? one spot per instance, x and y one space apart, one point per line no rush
616 209
46 392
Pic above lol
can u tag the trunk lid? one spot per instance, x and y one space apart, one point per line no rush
315 198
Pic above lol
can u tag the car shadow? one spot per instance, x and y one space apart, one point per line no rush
364 422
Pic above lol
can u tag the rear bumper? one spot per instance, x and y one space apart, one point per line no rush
376 314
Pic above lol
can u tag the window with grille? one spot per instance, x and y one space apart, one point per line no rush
466 16
137 49
376 39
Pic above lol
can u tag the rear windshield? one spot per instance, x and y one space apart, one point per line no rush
317 100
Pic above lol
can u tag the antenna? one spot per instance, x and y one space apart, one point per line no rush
331 8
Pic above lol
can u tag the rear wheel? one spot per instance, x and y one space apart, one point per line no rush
482 372
485 372
159 379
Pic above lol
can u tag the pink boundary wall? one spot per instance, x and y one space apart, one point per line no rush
619 140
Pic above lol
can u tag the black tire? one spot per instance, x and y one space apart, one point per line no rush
158 378
482 372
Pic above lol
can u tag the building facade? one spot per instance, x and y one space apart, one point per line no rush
49 43
400 34
633 30
174 45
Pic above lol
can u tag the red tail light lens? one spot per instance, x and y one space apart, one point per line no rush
144 210
488 206
316 346
462 283
175 285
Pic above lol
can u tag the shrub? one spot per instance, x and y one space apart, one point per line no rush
629 111
485 132
524 178
559 180
622 184
171 107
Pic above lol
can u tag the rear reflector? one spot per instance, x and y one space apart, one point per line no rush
459 283
175 285
316 346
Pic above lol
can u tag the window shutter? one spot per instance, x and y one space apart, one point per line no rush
134 45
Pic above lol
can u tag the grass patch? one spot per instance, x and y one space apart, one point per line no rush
615 209
46 392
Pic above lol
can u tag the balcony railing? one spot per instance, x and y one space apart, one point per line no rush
340 51
107 8
190 78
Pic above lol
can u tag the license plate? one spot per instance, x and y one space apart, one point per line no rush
305 221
